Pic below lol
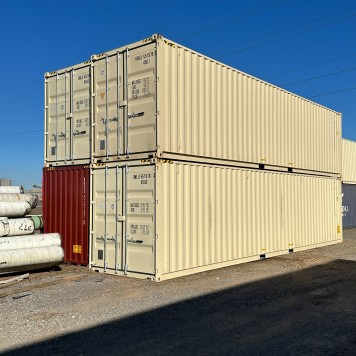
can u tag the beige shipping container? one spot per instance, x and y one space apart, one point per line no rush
158 98
348 161
167 219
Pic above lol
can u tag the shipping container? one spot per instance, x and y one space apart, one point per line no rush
348 161
158 98
349 205
166 219
66 193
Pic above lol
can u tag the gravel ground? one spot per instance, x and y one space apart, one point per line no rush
302 303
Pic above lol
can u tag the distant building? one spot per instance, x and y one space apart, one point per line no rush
5 181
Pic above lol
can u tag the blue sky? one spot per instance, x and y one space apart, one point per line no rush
305 46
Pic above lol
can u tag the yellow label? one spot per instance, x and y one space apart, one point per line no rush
102 95
338 229
77 249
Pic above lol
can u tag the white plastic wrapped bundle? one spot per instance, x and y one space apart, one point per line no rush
14 209
14 227
11 189
30 241
32 199
30 258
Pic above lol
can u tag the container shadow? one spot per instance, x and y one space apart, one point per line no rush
312 311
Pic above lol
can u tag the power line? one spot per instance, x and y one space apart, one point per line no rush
290 35
320 76
21 86
22 139
22 107
20 133
19 122
18 99
278 32
231 20
331 92
309 65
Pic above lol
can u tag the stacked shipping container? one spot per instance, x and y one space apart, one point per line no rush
348 183
194 165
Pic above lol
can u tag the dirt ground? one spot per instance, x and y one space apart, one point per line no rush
302 303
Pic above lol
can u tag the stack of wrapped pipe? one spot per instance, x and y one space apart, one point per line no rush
20 248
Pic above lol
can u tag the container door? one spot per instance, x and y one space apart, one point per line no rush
349 205
80 128
108 106
66 209
140 215
57 113
140 74
107 218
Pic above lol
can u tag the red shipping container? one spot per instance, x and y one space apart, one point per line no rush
66 195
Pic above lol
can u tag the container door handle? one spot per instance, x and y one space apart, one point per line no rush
77 132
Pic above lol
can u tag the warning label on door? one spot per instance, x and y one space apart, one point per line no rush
77 249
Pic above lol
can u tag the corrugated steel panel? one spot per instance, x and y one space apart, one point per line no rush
349 205
66 193
172 219
157 97
212 110
348 161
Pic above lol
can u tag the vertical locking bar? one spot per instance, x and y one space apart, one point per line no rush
65 113
107 106
126 220
105 216
56 137
91 112
72 116
118 103
127 103
46 121
155 220
92 215
117 219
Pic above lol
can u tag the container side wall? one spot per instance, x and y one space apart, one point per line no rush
211 110
217 214
349 205
66 209
348 161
